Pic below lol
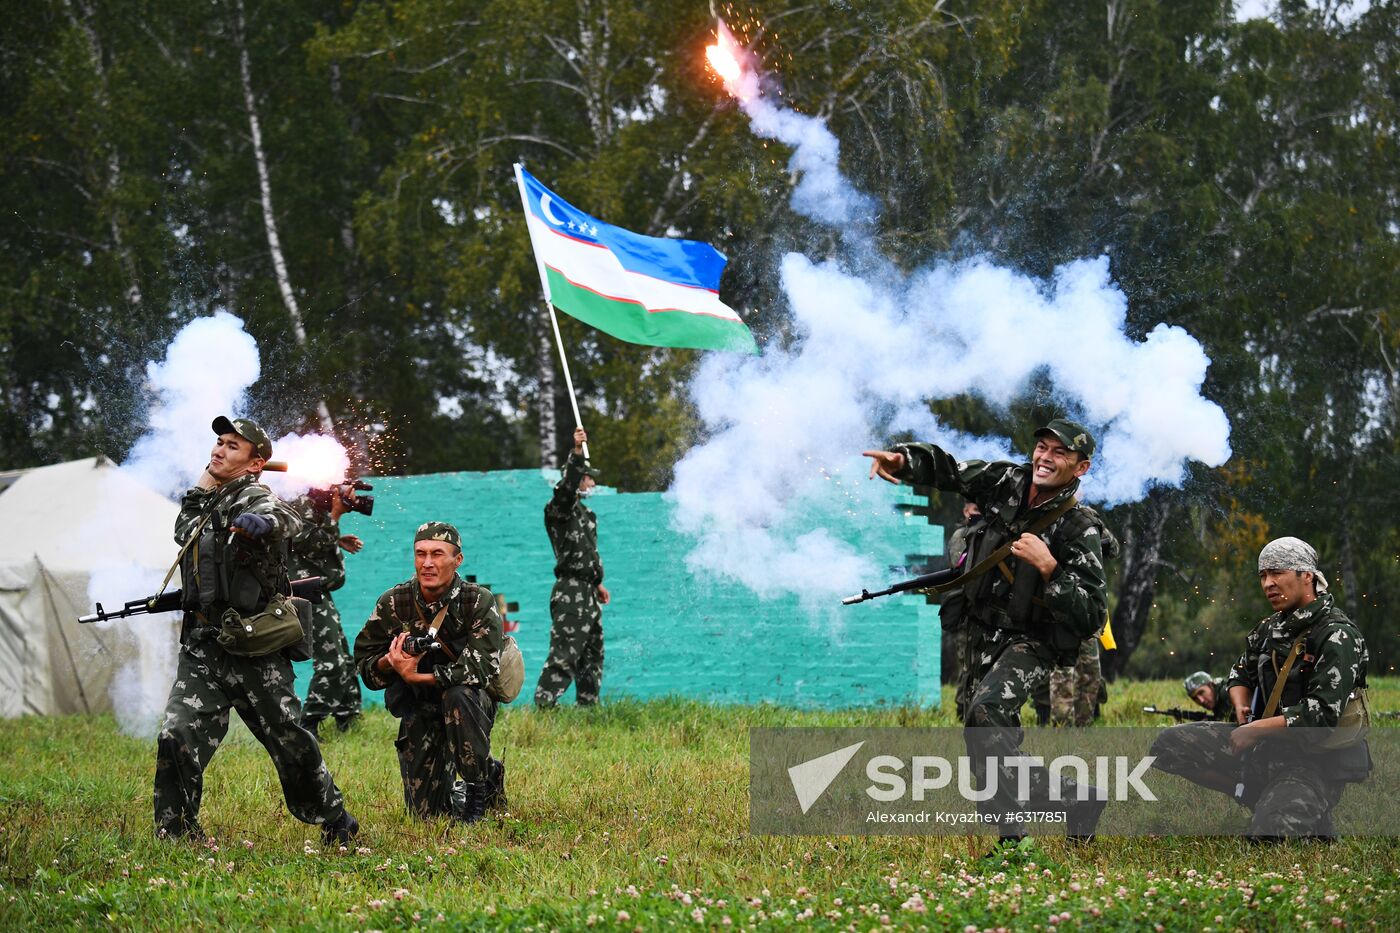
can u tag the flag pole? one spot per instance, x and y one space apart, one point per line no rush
549 305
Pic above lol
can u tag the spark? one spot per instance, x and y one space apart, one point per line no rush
733 64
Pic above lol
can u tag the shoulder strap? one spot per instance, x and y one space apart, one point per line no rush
1275 694
189 542
1000 554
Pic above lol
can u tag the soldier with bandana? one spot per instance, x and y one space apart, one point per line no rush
576 635
1302 667
1040 593
1210 694
441 696
315 552
234 533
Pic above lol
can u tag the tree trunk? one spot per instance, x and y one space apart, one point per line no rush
549 444
274 242
1142 548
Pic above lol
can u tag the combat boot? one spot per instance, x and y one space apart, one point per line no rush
340 832
496 785
1082 816
470 805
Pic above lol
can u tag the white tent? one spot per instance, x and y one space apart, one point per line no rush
71 534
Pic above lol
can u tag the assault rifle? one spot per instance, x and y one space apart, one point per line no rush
308 588
1179 714
937 578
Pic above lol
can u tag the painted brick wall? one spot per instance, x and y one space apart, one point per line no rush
667 631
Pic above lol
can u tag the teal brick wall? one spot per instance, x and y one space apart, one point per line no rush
668 631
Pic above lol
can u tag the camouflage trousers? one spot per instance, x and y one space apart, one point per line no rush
1074 689
208 683
439 741
1007 670
1292 799
575 644
955 643
335 688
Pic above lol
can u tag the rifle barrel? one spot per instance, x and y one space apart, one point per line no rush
937 578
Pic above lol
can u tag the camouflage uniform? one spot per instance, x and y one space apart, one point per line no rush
576 635
444 730
315 552
1224 708
209 681
1074 691
1289 783
1019 629
1074 688
951 617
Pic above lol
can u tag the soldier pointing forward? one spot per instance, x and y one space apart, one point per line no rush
1034 590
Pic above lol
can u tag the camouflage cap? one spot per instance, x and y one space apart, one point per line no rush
1196 681
249 430
1070 433
438 531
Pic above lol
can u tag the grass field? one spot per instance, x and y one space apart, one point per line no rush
628 816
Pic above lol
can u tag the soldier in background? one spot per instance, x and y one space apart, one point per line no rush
1210 694
233 562
1073 694
442 696
576 632
315 552
953 609
1307 664
1044 594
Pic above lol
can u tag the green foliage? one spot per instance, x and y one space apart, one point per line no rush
1243 178
628 815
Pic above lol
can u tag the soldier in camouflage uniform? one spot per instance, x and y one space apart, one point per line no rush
237 532
445 712
576 635
1032 610
1291 780
1210 694
315 552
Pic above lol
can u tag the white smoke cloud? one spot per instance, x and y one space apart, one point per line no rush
871 348
206 373
139 688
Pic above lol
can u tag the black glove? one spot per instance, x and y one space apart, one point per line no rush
253 526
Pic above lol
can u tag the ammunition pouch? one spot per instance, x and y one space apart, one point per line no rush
301 650
278 626
505 686
1352 726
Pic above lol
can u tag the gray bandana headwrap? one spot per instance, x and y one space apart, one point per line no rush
1292 554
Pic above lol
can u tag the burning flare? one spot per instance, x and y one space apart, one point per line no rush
313 461
733 63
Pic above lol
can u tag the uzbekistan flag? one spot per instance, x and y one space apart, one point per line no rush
649 290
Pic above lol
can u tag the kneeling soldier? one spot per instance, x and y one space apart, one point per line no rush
433 644
1305 665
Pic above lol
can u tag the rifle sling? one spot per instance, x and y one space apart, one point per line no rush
189 542
998 557
1276 694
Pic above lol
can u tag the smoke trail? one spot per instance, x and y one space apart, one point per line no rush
871 349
